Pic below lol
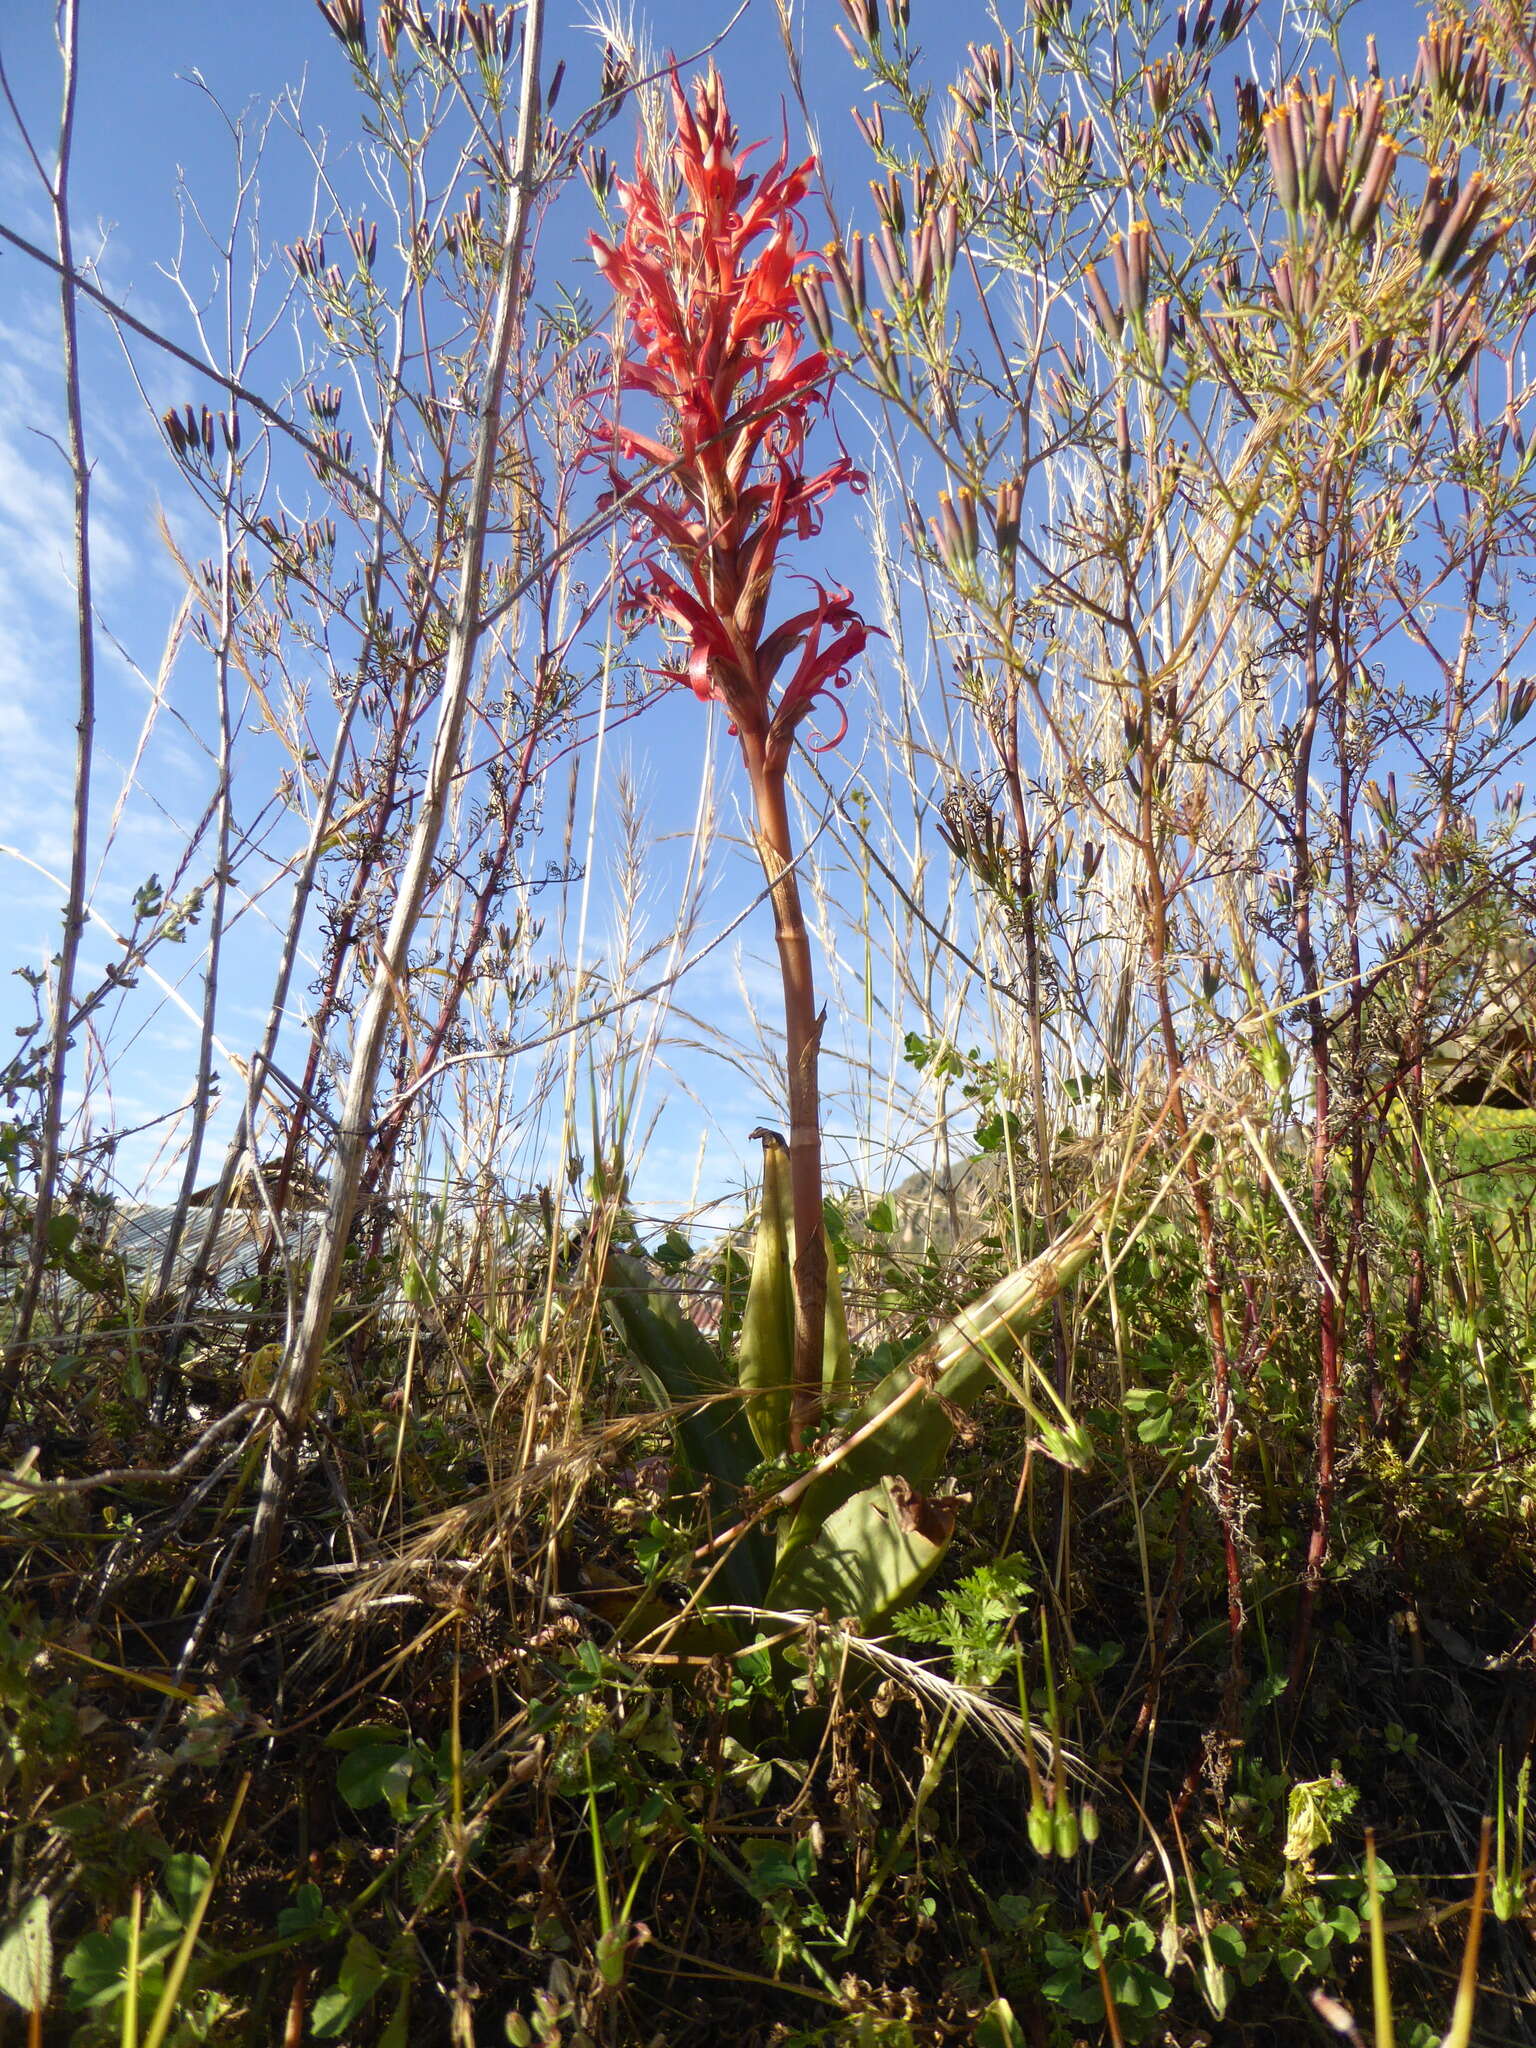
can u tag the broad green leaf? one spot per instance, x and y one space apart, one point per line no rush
186 1879
681 1364
26 1957
374 1772
94 1967
963 1360
357 1984
869 1558
97 1965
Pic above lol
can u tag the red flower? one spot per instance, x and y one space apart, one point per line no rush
708 292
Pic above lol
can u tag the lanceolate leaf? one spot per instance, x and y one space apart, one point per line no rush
871 1557
837 1351
682 1365
765 1350
971 1351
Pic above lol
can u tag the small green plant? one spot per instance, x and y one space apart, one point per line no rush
1509 1878
1112 1973
858 1529
974 1621
146 1963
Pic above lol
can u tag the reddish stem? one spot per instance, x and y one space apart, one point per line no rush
802 1052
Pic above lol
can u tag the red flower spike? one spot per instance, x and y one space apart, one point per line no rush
708 290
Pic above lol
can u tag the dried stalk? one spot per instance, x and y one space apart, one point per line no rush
296 1380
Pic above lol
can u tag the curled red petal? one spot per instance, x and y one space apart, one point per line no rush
717 344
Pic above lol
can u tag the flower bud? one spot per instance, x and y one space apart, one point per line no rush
1064 1829
860 290
886 258
1007 507
1283 168
863 17
1372 189
813 305
1111 323
842 282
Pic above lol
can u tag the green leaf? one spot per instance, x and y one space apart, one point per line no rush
869 1557
63 1229
1156 1426
681 1364
186 1879
94 1967
836 1349
397 2033
964 1359
769 1869
308 1914
882 1219
26 1957
1227 1944
357 1984
1345 1923
997 2027
97 1966
365 1732
673 1253
377 1771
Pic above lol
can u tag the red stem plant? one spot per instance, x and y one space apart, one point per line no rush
705 273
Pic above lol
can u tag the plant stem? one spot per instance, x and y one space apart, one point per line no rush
85 734
301 1364
802 1052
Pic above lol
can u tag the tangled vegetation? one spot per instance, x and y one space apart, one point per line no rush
1083 1590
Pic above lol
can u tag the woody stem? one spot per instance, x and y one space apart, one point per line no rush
802 1047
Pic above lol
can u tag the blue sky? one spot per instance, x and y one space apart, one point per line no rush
160 87
161 84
